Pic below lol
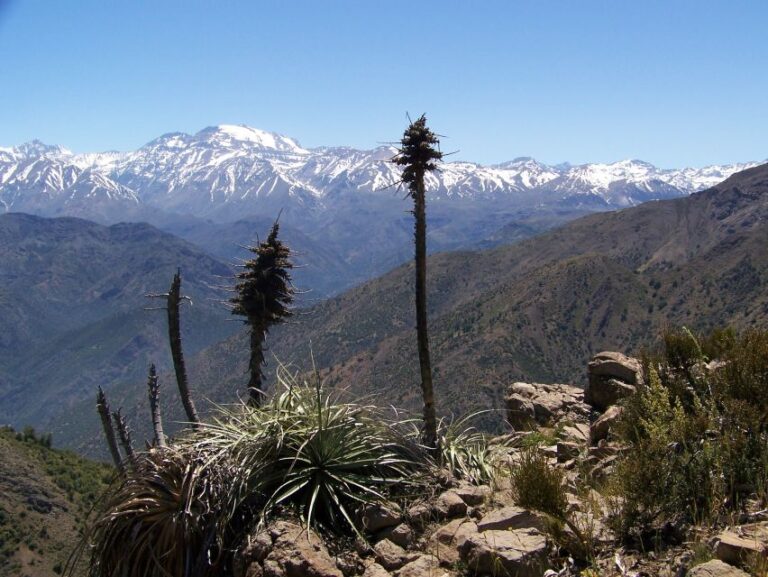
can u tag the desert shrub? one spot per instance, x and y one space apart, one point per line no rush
697 432
184 509
467 452
537 485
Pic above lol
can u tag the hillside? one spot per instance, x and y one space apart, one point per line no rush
72 303
536 310
46 494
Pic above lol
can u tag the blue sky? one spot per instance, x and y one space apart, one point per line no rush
674 82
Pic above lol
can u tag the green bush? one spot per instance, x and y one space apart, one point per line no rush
697 433
537 485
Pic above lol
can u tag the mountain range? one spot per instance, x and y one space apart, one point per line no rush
535 310
340 207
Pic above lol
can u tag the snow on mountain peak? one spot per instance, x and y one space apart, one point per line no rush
238 134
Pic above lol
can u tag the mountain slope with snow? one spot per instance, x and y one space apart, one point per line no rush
226 172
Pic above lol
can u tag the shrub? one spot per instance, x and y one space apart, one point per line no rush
537 485
466 452
696 433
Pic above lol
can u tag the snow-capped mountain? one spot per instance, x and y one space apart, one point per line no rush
226 172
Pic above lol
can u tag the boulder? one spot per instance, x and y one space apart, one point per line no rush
376 570
391 556
529 405
446 541
716 568
286 549
374 518
423 566
737 550
511 518
611 377
449 505
602 426
473 495
522 553
401 535
567 450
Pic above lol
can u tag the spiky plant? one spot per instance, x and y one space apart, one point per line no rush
107 424
417 155
263 297
161 519
466 452
324 459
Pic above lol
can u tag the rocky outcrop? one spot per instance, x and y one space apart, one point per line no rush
611 377
285 549
530 405
716 568
522 552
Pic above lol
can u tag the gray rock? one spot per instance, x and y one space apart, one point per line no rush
423 566
376 570
602 426
529 405
511 518
473 494
716 568
616 366
293 552
521 553
567 450
446 541
449 505
736 550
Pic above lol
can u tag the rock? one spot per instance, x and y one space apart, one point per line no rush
285 549
529 405
602 426
449 505
611 377
473 494
577 433
616 366
522 553
448 539
511 518
423 566
736 550
567 450
374 518
401 535
391 556
716 568
420 515
376 570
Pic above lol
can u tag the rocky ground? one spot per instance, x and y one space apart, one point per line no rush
467 530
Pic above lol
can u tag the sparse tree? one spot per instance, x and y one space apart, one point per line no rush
109 428
417 155
264 294
173 301
153 389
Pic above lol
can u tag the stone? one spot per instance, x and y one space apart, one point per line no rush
374 518
600 429
391 556
511 518
611 377
716 568
522 553
577 433
376 570
420 514
567 450
736 550
473 495
529 405
446 541
293 552
423 566
449 505
401 535
615 365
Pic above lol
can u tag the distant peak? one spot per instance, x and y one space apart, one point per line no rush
39 148
227 134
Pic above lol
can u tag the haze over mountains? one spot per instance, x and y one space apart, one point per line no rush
338 205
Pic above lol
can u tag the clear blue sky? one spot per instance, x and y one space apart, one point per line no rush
674 82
